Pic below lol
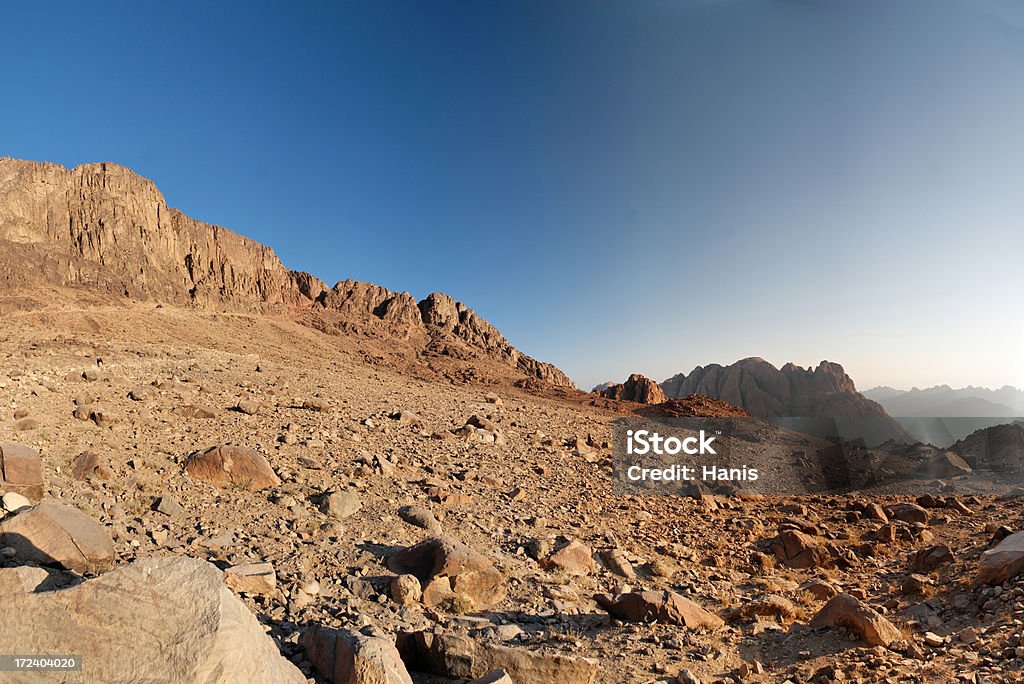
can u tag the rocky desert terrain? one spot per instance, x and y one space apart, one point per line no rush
209 479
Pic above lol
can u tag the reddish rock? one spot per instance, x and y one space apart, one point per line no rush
21 471
658 606
225 466
844 610
1004 561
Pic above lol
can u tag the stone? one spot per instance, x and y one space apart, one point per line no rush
844 610
468 573
615 560
252 578
13 502
931 557
140 393
249 408
819 588
1002 562
23 579
156 620
492 398
315 404
197 411
21 471
344 657
798 550
498 676
88 465
57 534
405 590
908 513
658 606
420 516
933 639
340 505
224 466
459 657
686 676
167 505
571 558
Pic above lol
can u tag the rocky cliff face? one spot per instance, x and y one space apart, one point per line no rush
791 391
102 226
637 388
105 228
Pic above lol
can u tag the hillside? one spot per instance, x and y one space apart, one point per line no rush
101 228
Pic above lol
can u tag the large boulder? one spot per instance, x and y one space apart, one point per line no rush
21 471
225 466
448 563
798 550
460 657
343 657
847 611
1004 561
57 534
658 606
156 620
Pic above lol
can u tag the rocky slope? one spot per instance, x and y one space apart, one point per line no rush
791 391
104 228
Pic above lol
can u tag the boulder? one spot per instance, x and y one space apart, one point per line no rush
908 513
931 557
844 610
57 534
341 504
468 573
459 657
658 606
224 466
798 550
21 471
156 620
405 590
571 558
88 465
344 657
1002 562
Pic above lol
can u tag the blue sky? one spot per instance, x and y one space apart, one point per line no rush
618 186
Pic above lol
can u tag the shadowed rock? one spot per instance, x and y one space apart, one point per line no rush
57 534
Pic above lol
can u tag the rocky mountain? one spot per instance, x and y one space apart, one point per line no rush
637 388
1000 447
103 228
791 392
944 401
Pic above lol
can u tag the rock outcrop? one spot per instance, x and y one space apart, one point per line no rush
791 391
156 620
637 388
104 228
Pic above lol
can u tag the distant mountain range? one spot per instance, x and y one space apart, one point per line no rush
943 401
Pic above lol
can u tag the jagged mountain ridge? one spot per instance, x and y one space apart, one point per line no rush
103 227
765 391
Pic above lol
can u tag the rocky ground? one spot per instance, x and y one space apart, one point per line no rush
526 561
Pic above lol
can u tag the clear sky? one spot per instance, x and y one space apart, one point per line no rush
618 186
